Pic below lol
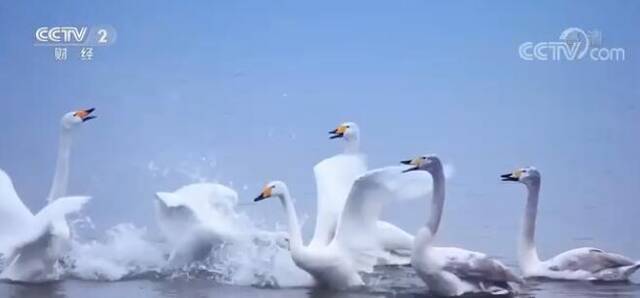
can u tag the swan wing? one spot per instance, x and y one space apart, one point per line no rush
396 241
173 216
33 258
204 200
415 184
195 218
52 218
356 234
334 178
13 212
475 266
60 208
190 239
587 259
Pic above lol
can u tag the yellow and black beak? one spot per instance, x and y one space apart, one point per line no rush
338 132
266 193
85 115
513 176
411 162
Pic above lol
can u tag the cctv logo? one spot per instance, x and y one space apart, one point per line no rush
61 34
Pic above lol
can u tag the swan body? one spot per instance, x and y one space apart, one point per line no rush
31 245
452 271
356 245
586 263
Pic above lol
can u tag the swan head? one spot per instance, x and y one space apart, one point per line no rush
348 131
429 163
272 189
527 176
75 118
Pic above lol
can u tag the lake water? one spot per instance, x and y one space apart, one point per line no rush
389 282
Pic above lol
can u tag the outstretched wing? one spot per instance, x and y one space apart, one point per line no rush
334 178
58 210
415 184
41 245
13 212
588 259
31 260
357 233
195 218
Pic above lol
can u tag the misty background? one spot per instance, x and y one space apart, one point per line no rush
244 92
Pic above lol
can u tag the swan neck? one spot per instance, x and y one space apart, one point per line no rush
61 174
437 202
421 243
295 237
528 253
352 145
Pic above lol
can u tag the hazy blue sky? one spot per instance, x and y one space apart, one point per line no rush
245 91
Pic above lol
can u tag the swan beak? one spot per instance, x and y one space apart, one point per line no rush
338 132
411 162
85 115
509 177
266 193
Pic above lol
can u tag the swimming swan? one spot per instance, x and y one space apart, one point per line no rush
356 245
452 271
334 178
586 263
31 245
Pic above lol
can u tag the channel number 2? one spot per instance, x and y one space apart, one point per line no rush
102 36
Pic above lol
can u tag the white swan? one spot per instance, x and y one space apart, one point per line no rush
356 245
32 245
451 271
194 218
334 178
586 263
197 217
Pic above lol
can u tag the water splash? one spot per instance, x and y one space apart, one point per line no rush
203 236
124 251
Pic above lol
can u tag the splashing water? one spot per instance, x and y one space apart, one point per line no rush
125 251
203 236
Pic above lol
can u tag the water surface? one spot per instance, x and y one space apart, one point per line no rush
393 282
